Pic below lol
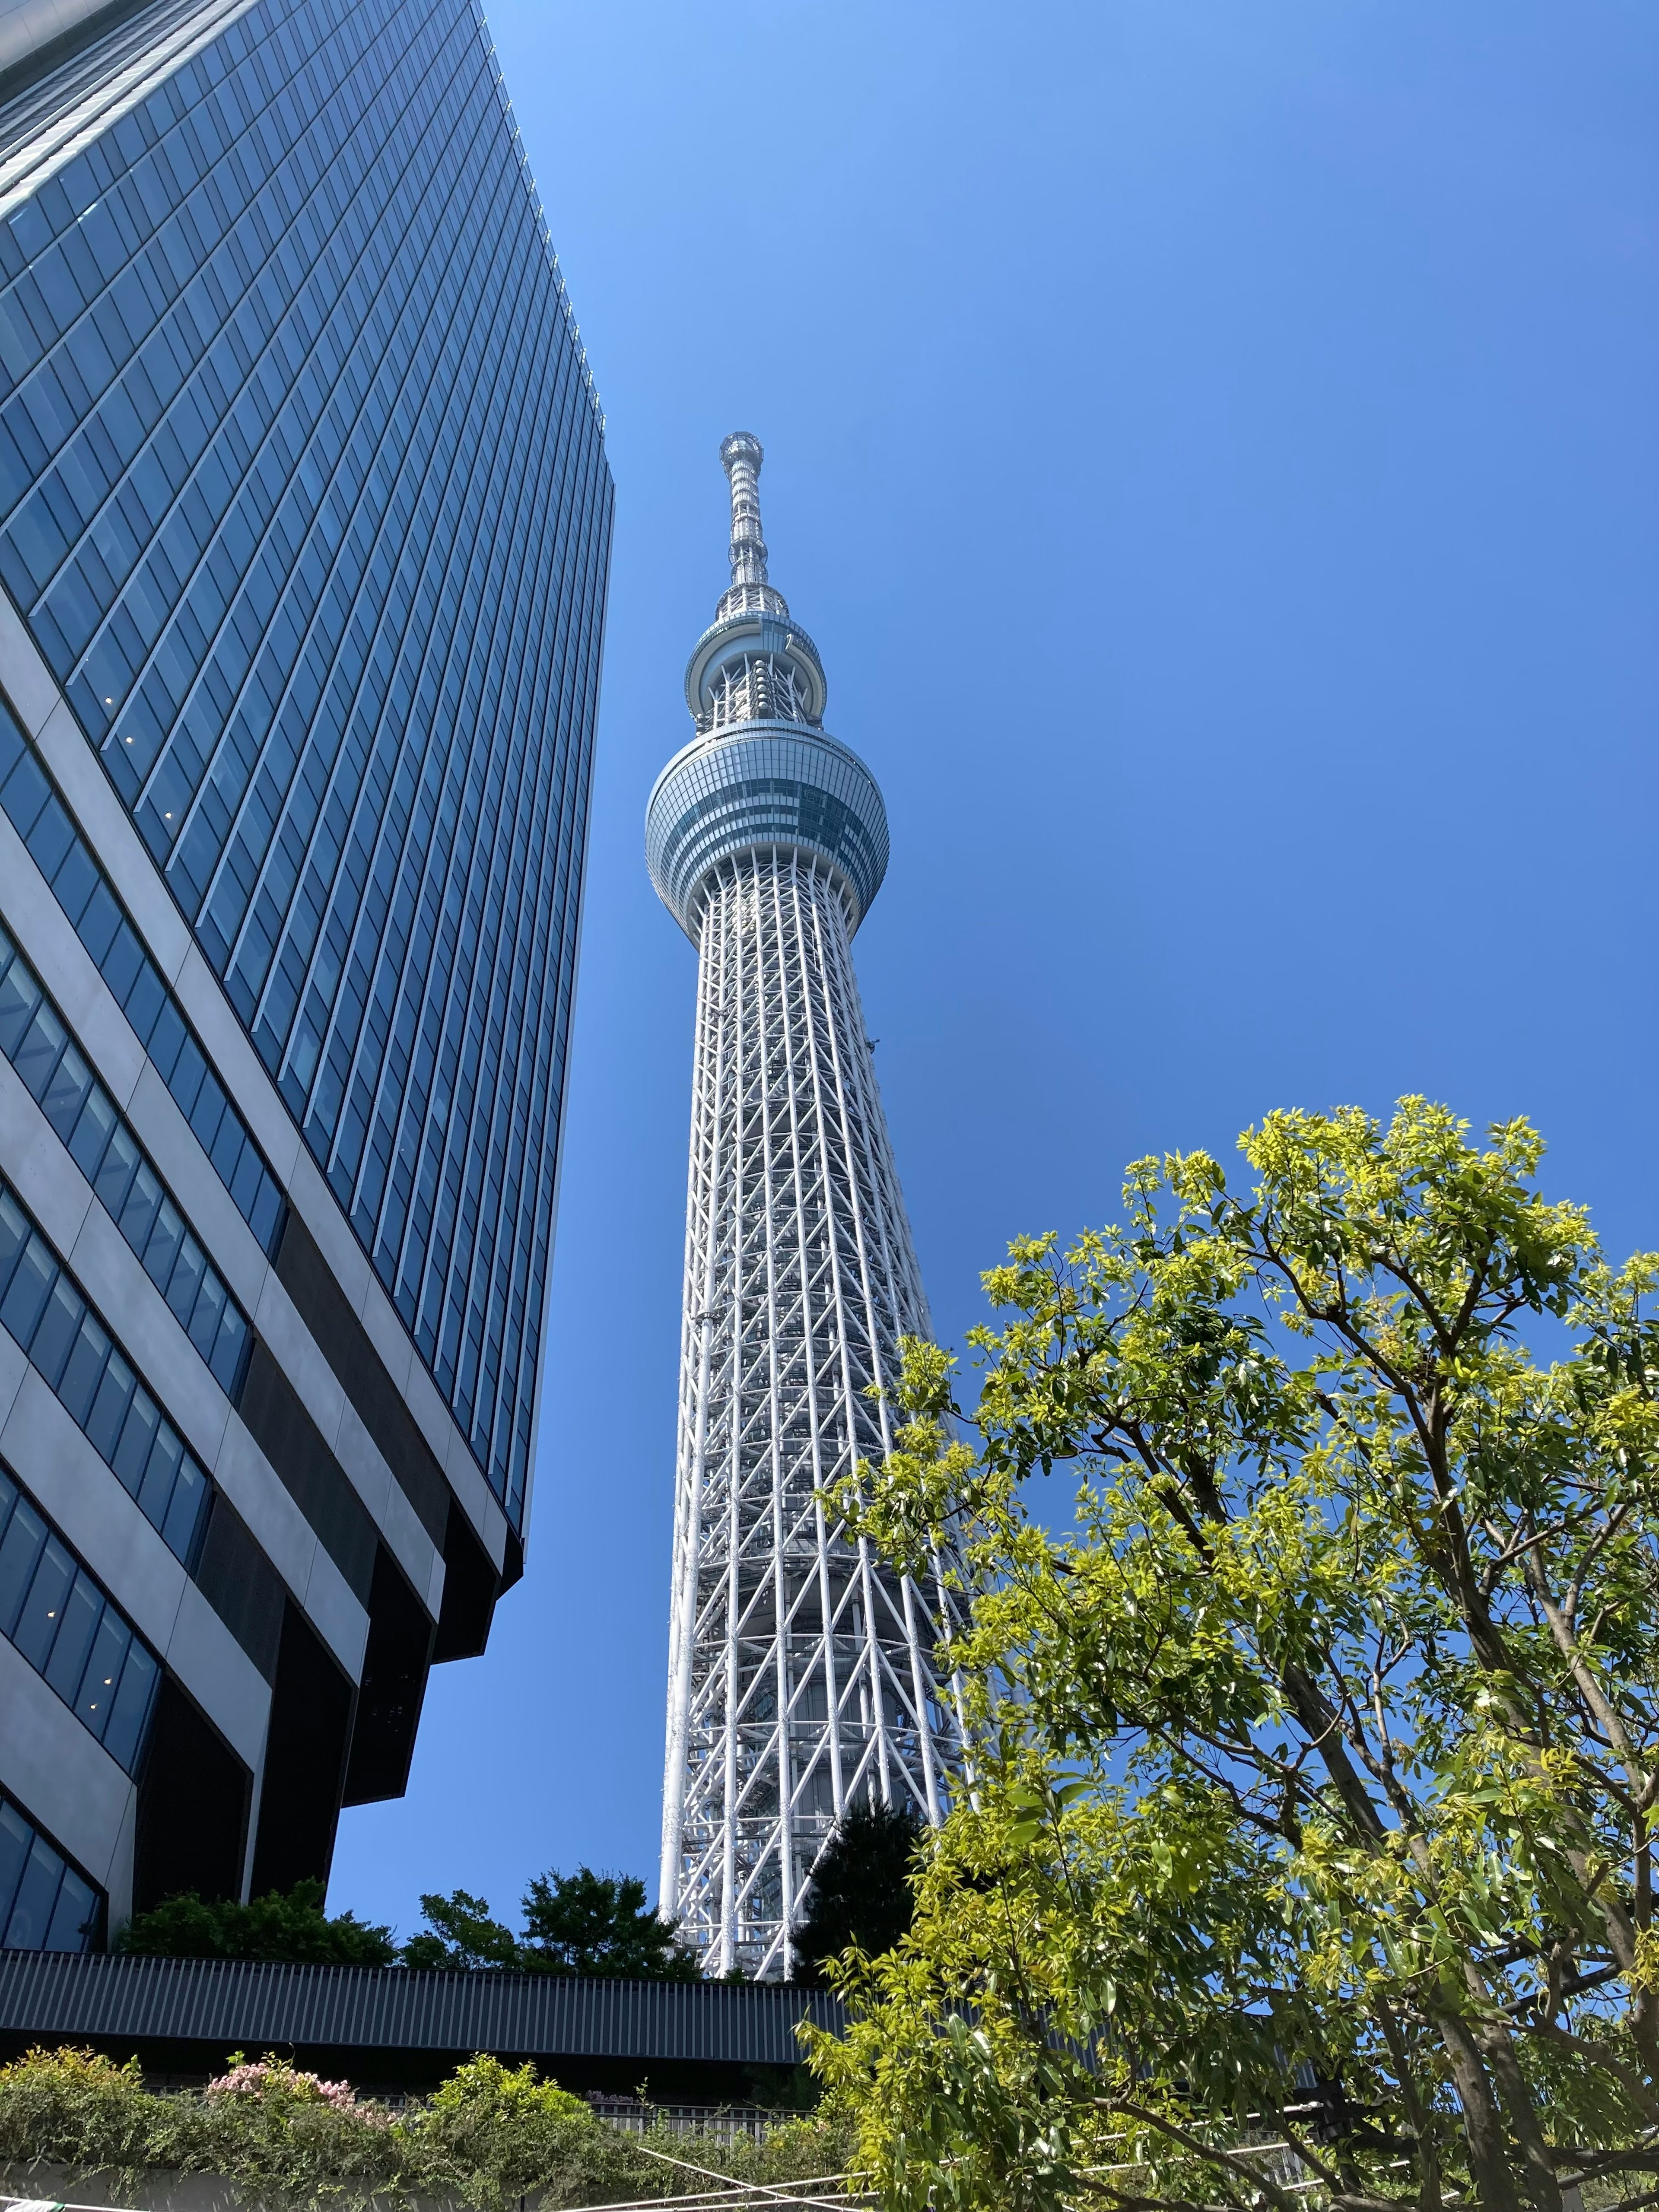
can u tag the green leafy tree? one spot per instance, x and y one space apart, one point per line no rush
1314 1754
282 1925
459 1932
590 1923
859 1892
578 1924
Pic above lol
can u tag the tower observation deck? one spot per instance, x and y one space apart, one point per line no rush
801 1671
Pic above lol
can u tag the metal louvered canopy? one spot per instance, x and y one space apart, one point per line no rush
228 2004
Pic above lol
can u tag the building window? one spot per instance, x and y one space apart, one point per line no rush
42 1308
34 1038
54 1612
45 1904
84 892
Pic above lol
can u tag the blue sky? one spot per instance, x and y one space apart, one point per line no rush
1214 449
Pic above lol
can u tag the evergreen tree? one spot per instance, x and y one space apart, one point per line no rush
578 1924
860 1888
292 1927
459 1933
590 1923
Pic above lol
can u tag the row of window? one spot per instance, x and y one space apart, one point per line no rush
230 402
85 892
33 1037
58 1618
45 1904
419 1036
46 1315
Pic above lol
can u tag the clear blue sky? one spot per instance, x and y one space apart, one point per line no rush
1215 449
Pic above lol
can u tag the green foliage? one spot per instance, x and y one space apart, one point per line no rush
590 1923
459 1932
577 1924
860 1888
491 2136
284 2135
73 2108
292 1926
523 2133
1328 1736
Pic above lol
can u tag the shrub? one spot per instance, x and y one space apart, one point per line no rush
271 2079
491 2134
73 2108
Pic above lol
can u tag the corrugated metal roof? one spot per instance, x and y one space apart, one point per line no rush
260 2007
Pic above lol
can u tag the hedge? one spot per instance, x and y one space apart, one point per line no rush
488 2137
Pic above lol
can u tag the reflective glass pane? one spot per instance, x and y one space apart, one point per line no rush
16 1837
90 1141
58 1329
166 1235
19 997
105 1422
37 1893
78 1386
42 1612
74 1923
37 1055
96 1692
124 1736
30 1287
20 1551
67 1092
183 1525
84 1608
120 1164
143 1204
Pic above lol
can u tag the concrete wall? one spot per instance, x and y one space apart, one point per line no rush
28 25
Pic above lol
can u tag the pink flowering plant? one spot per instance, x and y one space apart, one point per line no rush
271 2078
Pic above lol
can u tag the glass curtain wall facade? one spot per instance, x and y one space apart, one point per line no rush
304 536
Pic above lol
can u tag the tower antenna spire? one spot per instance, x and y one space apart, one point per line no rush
741 457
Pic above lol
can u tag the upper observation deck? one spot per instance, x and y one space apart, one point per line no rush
762 774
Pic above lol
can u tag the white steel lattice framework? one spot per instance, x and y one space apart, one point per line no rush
801 1671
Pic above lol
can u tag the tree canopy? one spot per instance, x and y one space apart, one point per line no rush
459 1932
1314 1753
578 1924
291 1925
592 1923
859 1892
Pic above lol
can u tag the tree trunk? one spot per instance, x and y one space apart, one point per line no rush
1539 2167
1483 2127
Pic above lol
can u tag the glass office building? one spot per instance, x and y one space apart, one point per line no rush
304 534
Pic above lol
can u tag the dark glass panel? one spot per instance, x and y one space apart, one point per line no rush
83 1610
42 1612
30 1287
19 1552
125 1734
74 1923
30 1921
16 1838
101 1680
59 1328
83 1370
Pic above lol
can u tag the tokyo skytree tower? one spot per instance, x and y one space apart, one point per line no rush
801 1671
